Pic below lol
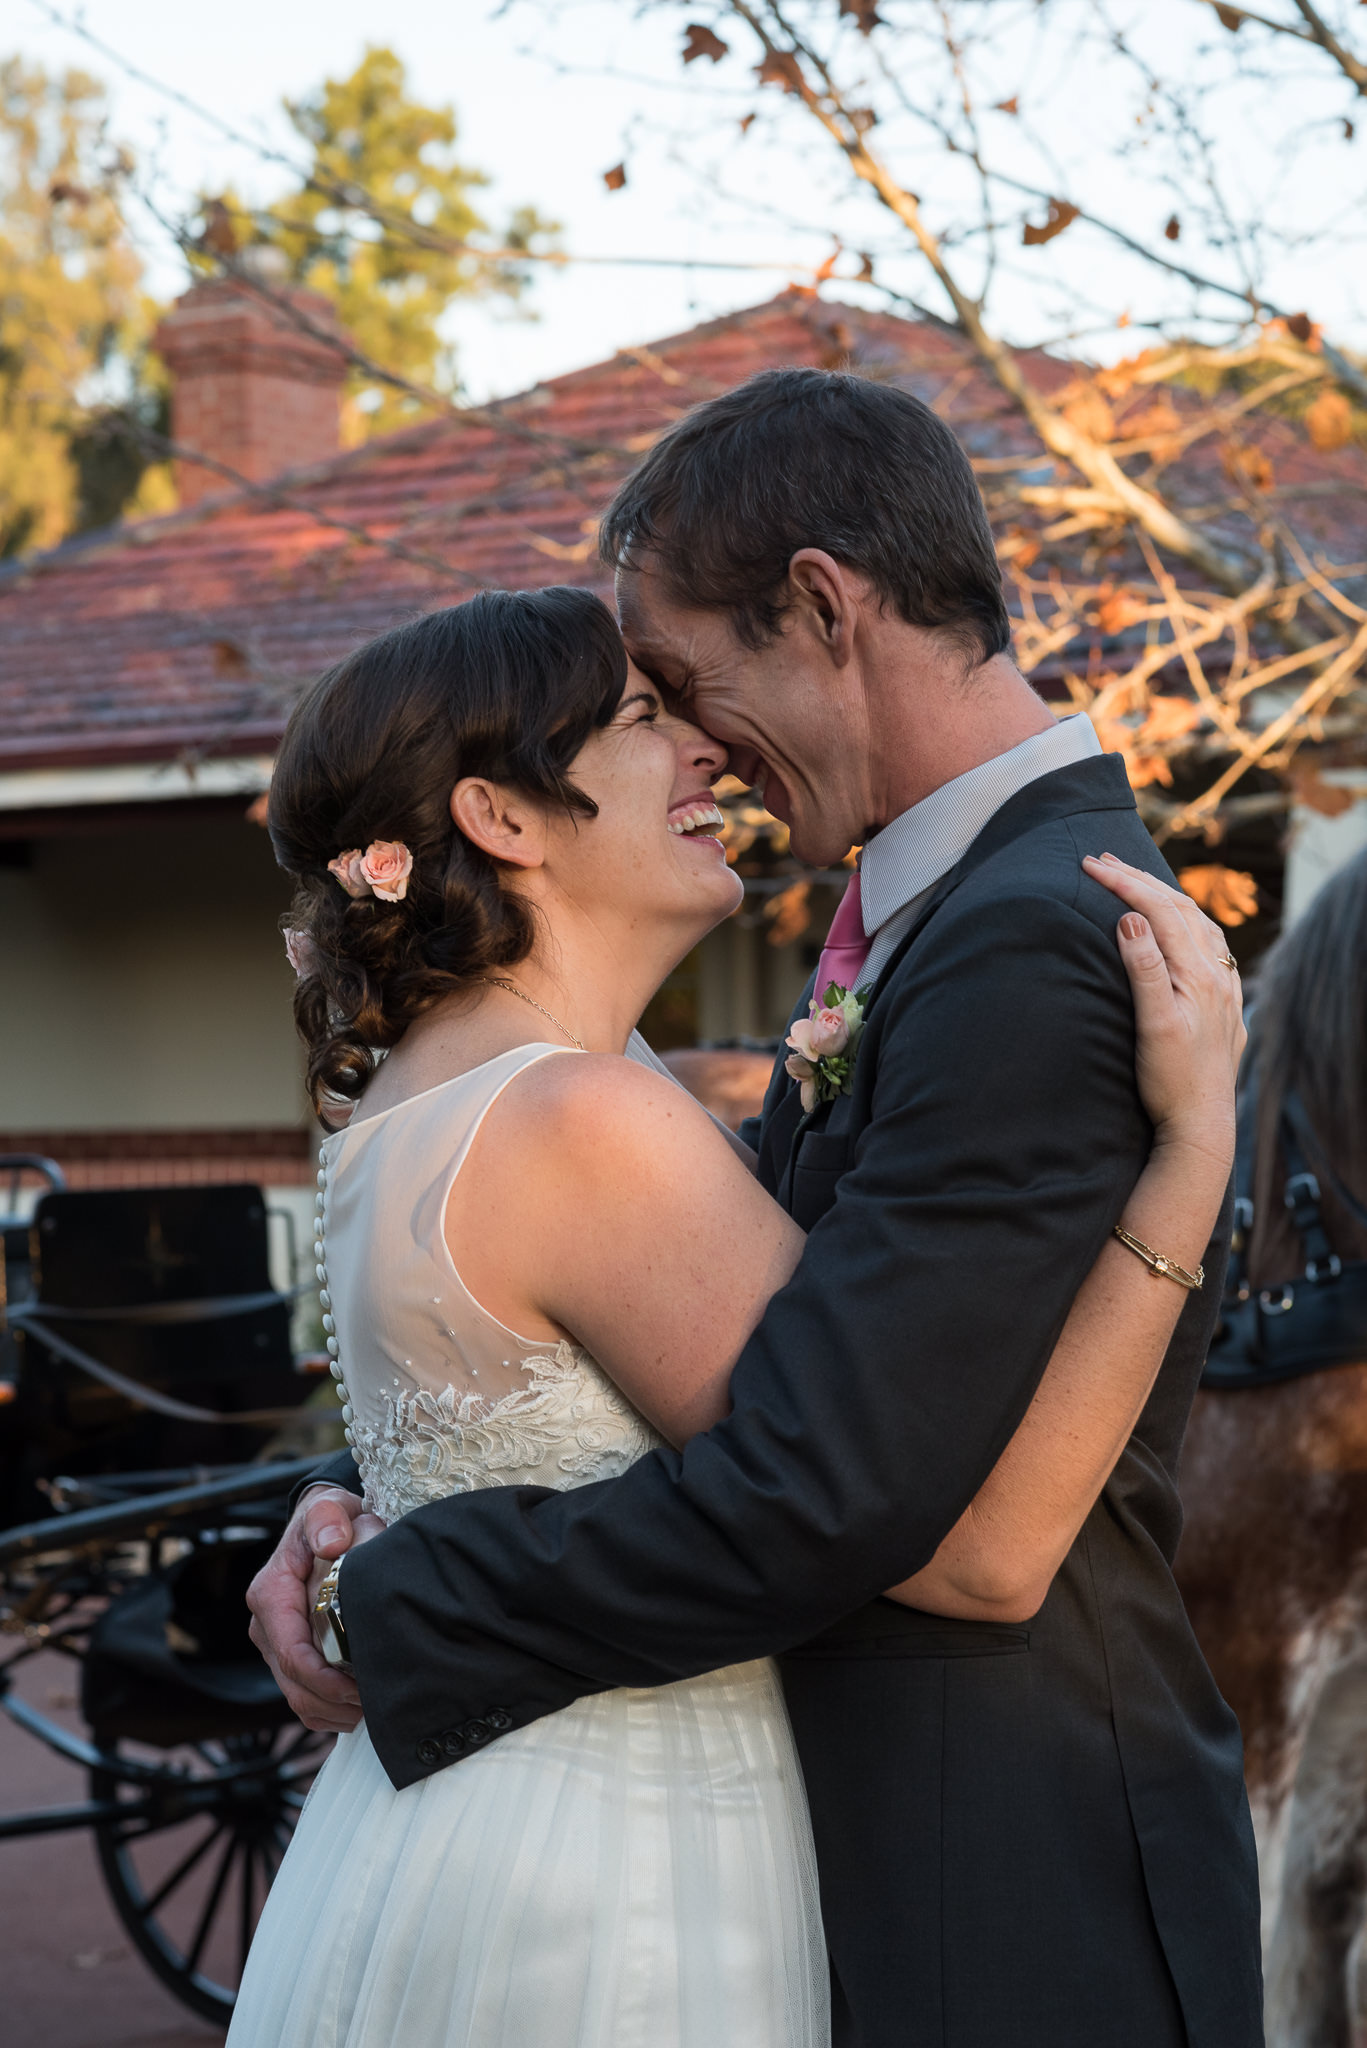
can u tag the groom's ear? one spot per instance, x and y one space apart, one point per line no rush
505 824
828 600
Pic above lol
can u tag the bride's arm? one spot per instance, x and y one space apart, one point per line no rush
600 1204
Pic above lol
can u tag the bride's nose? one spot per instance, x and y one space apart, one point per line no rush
698 750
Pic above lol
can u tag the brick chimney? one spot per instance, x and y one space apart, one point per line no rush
248 386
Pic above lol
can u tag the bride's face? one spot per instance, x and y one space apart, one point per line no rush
650 857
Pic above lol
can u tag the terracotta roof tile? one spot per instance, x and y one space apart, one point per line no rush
190 635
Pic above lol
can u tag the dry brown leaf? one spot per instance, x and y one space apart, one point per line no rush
1011 106
1330 799
1117 609
703 42
1144 768
1117 378
1062 213
1088 413
745 123
864 13
1227 894
1231 18
220 234
1245 463
63 189
780 67
1159 417
865 268
788 914
1170 718
1329 421
1172 228
615 178
1300 326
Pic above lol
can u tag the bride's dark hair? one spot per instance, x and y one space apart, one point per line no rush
510 686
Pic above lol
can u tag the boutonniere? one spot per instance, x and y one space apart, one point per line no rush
824 1044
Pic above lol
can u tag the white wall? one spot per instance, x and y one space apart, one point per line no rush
143 981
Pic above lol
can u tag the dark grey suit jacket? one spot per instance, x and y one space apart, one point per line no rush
1032 1835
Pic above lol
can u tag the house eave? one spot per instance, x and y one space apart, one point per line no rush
68 788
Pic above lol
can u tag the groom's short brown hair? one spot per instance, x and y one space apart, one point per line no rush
814 458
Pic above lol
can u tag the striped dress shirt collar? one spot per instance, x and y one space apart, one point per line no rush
912 853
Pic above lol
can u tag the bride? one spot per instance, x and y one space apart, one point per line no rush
540 1259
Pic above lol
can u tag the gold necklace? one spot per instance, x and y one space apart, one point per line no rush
499 981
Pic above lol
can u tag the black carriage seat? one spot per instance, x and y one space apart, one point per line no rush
170 1660
174 1267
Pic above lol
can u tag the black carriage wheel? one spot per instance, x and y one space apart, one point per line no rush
189 1868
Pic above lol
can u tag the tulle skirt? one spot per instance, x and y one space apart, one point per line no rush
633 1872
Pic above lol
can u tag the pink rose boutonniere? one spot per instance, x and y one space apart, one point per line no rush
824 1045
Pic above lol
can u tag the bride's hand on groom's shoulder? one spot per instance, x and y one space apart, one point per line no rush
1188 1008
327 1522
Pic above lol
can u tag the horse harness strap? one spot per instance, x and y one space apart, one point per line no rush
1315 1322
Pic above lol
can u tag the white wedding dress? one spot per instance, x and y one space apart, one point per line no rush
635 1871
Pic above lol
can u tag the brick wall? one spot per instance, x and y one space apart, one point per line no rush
144 1159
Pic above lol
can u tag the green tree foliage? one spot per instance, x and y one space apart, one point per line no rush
73 319
385 260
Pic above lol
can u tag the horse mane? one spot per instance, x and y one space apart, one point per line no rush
1308 1033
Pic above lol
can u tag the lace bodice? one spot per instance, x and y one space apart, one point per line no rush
439 1397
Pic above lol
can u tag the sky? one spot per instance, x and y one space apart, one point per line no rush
550 93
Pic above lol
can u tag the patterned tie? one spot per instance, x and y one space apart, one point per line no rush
847 943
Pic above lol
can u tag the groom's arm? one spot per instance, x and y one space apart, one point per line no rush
869 1406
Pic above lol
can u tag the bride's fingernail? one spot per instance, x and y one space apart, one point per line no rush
1134 926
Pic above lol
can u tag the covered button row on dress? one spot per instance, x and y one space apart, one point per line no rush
324 1297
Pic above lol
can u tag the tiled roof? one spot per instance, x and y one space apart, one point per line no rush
188 636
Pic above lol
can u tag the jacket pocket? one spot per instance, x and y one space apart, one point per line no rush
822 1158
887 1629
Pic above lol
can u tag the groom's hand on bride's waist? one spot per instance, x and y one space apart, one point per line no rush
326 1523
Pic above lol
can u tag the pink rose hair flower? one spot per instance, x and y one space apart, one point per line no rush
382 870
347 869
386 865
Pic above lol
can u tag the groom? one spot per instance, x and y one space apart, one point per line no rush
1030 1835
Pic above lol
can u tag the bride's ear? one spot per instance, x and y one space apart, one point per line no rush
506 825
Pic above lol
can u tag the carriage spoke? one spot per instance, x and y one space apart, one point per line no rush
206 1918
182 1870
246 1922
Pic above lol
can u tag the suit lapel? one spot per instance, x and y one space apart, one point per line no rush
1099 784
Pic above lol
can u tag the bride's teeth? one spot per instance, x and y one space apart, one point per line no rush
691 820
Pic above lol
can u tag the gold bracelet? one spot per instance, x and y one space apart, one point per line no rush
1162 1268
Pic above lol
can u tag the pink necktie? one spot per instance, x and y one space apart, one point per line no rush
847 943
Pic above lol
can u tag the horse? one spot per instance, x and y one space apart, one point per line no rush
1273 1558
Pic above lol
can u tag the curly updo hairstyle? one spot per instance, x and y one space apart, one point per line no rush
509 685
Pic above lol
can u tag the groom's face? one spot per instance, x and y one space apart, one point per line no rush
786 717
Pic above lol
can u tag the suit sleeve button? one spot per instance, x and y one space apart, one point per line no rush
477 1733
429 1752
453 1742
498 1720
